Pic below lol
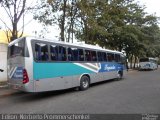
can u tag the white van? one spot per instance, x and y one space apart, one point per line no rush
148 63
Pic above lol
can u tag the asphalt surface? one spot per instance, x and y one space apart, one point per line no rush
138 92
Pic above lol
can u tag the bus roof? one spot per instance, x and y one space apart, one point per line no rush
65 43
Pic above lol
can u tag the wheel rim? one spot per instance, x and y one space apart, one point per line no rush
85 83
119 75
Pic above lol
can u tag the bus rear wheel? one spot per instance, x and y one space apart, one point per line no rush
84 83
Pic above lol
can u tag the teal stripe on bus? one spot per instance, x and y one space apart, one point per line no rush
51 70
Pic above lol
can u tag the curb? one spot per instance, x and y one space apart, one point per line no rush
3 84
6 92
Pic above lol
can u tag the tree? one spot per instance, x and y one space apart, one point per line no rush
124 26
116 24
72 16
15 10
54 12
90 19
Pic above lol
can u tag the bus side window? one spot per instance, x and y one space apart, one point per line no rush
80 54
72 54
62 54
94 55
54 52
99 56
41 52
110 57
75 54
102 56
88 55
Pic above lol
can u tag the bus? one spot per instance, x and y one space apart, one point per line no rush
148 63
37 65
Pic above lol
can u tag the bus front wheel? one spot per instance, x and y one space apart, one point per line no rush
120 75
84 83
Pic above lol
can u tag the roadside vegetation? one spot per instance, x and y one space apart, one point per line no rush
121 25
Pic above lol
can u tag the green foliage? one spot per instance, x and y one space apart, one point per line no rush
56 12
116 24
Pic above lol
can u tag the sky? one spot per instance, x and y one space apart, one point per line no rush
152 7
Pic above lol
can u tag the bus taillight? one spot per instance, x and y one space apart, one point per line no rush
25 77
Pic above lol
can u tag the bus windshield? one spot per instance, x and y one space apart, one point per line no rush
18 49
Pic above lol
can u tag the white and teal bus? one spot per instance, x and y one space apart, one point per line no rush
148 63
36 65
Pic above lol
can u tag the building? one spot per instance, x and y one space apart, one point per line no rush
3 55
3 61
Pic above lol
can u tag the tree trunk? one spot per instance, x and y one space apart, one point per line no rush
63 20
131 61
72 33
14 32
135 60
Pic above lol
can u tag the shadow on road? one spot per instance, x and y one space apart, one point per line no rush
104 82
19 96
9 93
30 97
43 95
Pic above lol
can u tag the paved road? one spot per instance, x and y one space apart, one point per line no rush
139 92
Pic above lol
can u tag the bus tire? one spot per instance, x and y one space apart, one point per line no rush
120 75
84 83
